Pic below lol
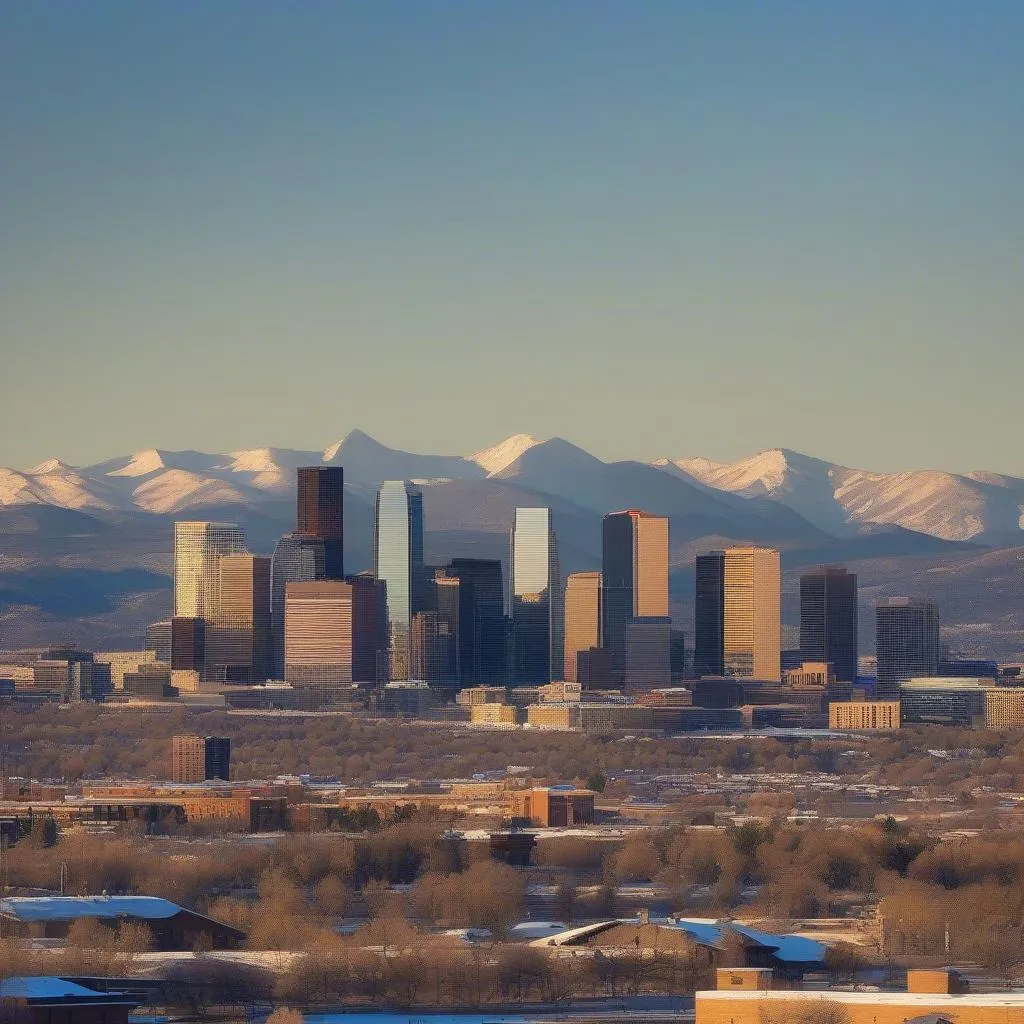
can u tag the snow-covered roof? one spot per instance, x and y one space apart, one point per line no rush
46 988
69 908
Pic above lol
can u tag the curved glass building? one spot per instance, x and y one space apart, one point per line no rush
536 599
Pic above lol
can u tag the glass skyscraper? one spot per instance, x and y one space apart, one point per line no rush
296 560
828 620
906 642
398 562
197 551
536 605
320 513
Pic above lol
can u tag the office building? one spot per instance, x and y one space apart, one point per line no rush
433 649
552 806
906 642
582 618
198 548
121 662
828 620
200 758
648 654
536 598
398 562
188 643
864 715
594 669
238 638
634 577
150 681
480 619
334 634
738 613
158 640
320 513
297 559
709 615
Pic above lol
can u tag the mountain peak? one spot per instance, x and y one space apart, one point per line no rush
49 466
353 439
142 463
494 460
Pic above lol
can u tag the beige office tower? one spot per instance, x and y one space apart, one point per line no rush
752 626
198 548
582 617
238 633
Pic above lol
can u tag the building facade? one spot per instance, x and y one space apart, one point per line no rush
828 620
297 559
709 615
865 715
238 636
582 618
536 598
479 619
906 642
320 514
198 548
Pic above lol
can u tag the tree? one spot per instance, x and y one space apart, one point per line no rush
597 781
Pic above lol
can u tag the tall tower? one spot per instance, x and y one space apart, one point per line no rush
582 618
828 620
752 635
906 642
479 618
536 604
321 513
296 560
238 636
197 551
709 615
634 569
398 561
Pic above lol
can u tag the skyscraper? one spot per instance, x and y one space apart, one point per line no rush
828 620
197 550
333 633
634 568
238 636
906 642
481 620
582 618
709 615
320 513
536 597
738 614
296 559
398 561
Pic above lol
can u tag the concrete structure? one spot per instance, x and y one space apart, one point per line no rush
1004 707
121 662
433 643
865 716
828 619
552 806
582 618
932 997
504 715
906 642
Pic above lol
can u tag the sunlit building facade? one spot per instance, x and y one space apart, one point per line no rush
238 640
582 618
398 562
198 548
536 597
752 620
297 559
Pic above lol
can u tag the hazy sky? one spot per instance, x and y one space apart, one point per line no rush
652 228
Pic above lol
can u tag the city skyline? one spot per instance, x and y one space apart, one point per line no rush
812 209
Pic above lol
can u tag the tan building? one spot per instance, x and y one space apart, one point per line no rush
121 662
552 807
188 759
238 634
481 695
932 996
1004 707
867 715
582 617
559 692
502 715
198 548
553 716
752 627
811 673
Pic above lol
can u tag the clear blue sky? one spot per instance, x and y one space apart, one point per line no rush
652 228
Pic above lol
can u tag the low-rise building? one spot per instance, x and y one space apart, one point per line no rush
500 715
865 716
552 806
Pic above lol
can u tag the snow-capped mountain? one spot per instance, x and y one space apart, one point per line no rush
824 496
975 506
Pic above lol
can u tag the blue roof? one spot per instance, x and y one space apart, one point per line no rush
791 949
69 908
45 988
699 931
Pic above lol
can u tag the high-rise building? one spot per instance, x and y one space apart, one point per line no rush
188 643
433 648
296 560
238 635
582 618
198 548
634 568
648 653
828 620
481 620
333 633
906 642
536 598
738 614
398 561
199 758
709 615
321 496
158 640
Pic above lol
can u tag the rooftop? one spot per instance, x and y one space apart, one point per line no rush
68 908
1014 1000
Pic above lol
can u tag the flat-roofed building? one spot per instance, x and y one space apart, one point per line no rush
648 654
865 716
906 642
552 806
553 716
936 700
582 618
121 662
238 638
200 758
502 715
1004 707
198 548
828 619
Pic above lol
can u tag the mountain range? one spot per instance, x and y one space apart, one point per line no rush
85 551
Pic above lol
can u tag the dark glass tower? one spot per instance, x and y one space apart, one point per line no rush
828 620
906 642
709 615
321 513
536 603
481 621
